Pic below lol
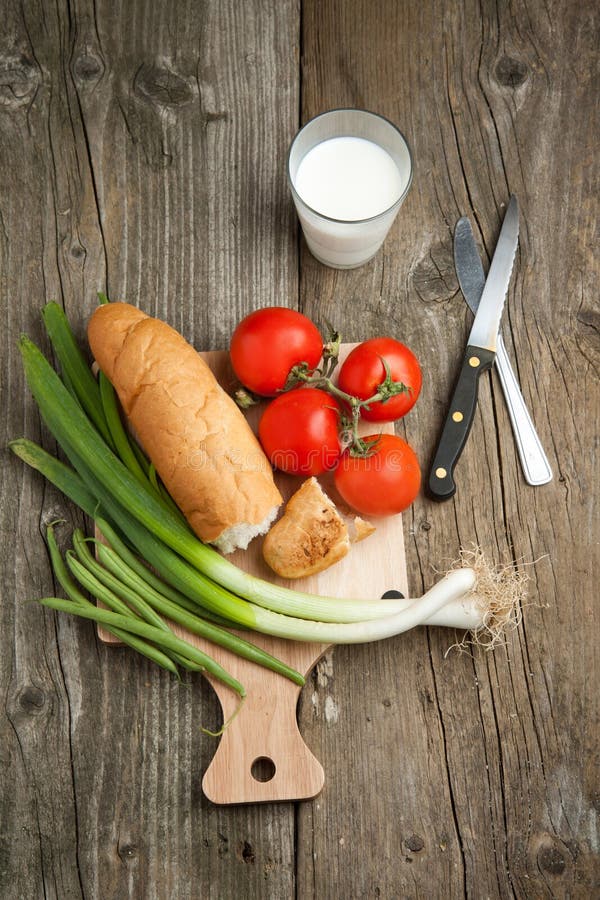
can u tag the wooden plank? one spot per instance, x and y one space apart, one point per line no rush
42 214
140 151
475 774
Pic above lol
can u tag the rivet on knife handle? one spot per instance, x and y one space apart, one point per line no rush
458 422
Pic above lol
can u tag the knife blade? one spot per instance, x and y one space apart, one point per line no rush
467 262
471 279
479 356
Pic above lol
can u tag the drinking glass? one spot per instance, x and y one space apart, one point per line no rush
338 242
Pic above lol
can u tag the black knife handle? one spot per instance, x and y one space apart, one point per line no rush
458 422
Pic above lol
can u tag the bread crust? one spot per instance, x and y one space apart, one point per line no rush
199 441
309 537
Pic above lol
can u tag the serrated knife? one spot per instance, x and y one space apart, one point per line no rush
471 279
479 357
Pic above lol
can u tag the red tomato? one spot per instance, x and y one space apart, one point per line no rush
382 484
268 342
299 431
362 372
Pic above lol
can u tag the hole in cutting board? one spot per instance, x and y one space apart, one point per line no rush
263 769
392 595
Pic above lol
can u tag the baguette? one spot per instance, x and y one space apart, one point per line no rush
199 441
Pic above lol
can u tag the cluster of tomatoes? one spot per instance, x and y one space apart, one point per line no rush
311 428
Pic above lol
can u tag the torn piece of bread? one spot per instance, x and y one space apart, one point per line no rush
199 441
309 537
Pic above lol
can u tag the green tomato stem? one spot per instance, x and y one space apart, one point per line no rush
350 437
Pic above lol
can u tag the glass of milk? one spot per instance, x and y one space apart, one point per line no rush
349 171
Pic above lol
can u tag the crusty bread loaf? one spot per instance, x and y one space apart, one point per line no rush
199 441
309 537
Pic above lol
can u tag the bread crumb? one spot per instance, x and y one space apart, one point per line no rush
362 529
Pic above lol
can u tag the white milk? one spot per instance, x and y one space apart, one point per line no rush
347 192
348 178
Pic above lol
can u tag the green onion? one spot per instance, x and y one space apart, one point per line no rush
78 599
108 478
196 586
74 366
169 565
60 475
130 598
164 495
110 600
141 457
126 584
115 426
72 485
147 575
189 620
403 614
127 566
113 601
150 632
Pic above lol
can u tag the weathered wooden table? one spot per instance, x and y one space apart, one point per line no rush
142 150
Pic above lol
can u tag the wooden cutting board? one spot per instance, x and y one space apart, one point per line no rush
261 757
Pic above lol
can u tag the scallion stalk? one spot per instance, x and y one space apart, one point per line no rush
150 633
114 602
61 476
196 586
72 485
142 571
129 599
189 619
77 599
115 426
125 448
74 366
68 481
461 613
117 577
141 457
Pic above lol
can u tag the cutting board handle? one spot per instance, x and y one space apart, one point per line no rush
261 756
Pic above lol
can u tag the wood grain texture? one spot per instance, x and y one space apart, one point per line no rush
139 152
483 771
142 149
